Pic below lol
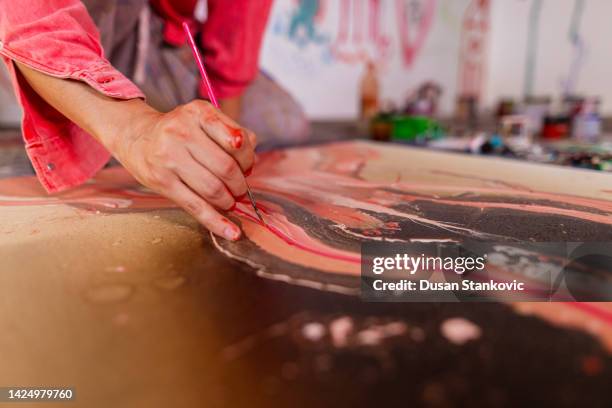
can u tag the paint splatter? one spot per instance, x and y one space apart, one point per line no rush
459 330
115 269
340 329
313 331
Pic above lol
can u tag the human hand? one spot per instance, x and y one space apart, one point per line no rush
194 155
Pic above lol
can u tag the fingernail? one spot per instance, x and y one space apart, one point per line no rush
231 233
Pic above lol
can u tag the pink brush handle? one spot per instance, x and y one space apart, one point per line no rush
198 58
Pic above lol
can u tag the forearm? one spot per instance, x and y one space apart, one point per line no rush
106 119
194 154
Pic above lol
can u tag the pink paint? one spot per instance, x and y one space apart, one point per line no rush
310 245
593 310
343 25
327 183
358 15
350 45
411 48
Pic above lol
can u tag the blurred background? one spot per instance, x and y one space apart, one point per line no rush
520 78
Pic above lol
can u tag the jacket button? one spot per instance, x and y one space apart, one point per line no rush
50 166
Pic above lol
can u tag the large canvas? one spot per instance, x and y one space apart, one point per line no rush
321 203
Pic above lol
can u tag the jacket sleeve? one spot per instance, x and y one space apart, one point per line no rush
58 38
231 40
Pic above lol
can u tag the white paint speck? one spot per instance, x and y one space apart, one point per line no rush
459 330
370 337
313 331
340 329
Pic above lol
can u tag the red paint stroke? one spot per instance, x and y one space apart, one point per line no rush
352 20
409 48
321 11
288 239
374 20
589 308
344 23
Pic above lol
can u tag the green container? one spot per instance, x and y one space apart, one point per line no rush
411 128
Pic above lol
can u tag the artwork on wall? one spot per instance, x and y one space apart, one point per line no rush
361 30
410 42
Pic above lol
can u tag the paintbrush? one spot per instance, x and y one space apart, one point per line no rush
213 100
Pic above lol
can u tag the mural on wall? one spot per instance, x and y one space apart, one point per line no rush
411 42
473 49
415 20
359 31
303 27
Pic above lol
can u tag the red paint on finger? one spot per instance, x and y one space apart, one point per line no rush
236 137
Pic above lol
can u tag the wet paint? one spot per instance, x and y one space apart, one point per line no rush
321 203
236 136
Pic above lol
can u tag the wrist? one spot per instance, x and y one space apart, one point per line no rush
132 119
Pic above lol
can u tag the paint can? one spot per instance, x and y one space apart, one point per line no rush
415 129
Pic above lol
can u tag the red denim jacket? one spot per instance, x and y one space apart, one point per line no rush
59 38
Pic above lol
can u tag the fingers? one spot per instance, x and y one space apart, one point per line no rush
253 139
208 154
203 212
200 180
237 141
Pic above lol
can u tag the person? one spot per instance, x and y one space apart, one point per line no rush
70 61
